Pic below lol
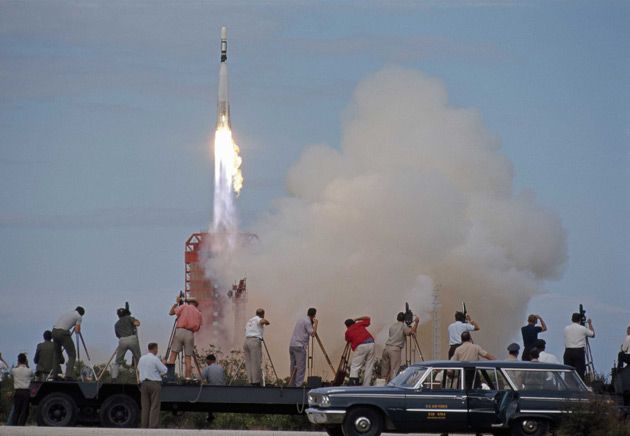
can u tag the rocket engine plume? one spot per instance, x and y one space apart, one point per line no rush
228 179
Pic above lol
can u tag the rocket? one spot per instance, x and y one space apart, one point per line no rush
223 105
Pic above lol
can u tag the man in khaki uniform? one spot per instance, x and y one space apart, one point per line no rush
398 332
468 351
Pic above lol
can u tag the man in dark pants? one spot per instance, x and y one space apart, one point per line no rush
575 335
624 354
151 370
530 333
45 358
463 323
63 337
22 376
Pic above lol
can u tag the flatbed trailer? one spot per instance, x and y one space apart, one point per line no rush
68 403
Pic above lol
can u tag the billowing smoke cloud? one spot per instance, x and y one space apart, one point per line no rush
417 195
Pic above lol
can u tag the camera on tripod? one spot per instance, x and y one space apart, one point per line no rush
582 313
408 315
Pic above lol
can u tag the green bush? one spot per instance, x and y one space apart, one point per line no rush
594 418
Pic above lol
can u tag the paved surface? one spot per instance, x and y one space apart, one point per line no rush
92 431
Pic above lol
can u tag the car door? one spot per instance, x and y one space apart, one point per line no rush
438 403
484 390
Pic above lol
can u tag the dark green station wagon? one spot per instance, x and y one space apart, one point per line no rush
498 397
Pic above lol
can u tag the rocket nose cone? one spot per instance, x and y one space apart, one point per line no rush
223 32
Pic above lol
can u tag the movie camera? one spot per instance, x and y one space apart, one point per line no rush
408 315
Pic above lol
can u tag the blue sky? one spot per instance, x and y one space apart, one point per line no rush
106 110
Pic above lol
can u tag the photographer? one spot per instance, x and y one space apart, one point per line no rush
624 354
530 333
575 335
390 363
463 323
126 330
188 322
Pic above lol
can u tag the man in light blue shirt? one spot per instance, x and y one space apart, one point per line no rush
213 374
151 369
298 347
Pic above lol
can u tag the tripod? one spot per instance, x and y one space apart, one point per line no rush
81 341
311 351
342 369
270 361
590 365
410 350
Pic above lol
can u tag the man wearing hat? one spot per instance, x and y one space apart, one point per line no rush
126 330
188 322
513 350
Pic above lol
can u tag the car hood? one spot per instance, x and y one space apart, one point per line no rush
359 390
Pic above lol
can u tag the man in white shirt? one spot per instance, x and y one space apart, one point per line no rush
22 376
254 330
463 323
545 357
151 370
62 337
575 335
624 354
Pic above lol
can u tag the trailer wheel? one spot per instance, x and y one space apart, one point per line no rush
363 421
119 411
57 410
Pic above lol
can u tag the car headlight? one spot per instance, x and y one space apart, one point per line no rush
318 400
324 401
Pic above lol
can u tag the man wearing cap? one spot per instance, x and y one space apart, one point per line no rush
188 322
252 348
530 333
126 330
513 350
362 344
62 337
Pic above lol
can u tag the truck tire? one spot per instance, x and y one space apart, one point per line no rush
529 427
120 411
57 410
363 421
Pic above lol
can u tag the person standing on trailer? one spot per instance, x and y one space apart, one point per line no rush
45 358
463 323
151 370
575 335
530 333
62 337
398 332
362 344
22 376
126 330
252 348
304 329
188 322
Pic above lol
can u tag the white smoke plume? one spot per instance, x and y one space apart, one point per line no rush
417 195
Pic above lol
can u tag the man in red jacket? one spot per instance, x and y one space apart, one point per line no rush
362 343
187 324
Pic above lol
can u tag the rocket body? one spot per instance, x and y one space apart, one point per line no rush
223 105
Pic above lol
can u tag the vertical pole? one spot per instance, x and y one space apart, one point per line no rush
437 339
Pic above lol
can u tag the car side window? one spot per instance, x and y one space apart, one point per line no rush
442 379
485 379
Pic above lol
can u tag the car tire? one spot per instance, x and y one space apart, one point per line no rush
363 421
334 430
57 410
120 411
529 427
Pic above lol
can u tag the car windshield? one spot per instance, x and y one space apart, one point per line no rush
545 380
409 377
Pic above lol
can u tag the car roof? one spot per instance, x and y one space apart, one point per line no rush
506 364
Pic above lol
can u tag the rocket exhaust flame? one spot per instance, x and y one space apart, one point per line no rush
228 179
